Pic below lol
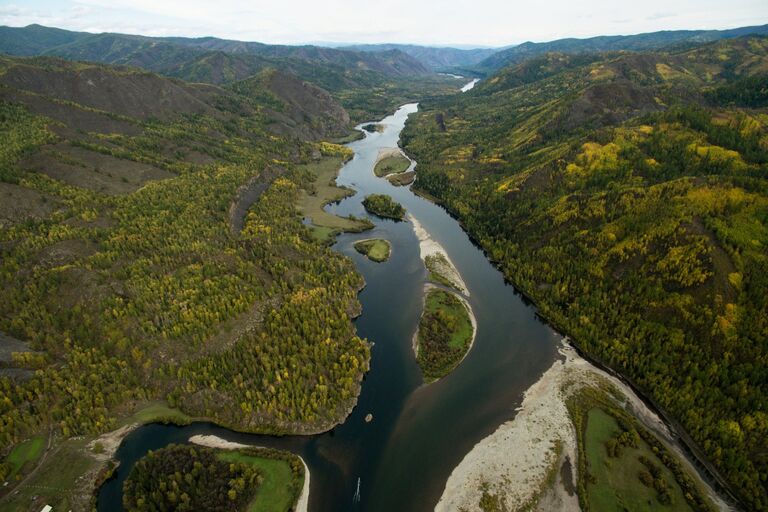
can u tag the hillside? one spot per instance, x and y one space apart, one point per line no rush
435 58
125 285
367 84
626 194
638 43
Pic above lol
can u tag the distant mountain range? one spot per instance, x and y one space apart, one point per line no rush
638 42
214 60
437 59
206 59
111 48
356 79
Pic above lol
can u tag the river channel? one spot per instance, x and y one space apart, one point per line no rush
419 433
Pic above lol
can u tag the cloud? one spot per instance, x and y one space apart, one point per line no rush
484 22
660 16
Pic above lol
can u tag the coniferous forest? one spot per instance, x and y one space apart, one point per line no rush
626 194
159 260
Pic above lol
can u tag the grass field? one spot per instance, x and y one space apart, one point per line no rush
375 249
614 483
155 412
276 492
57 482
456 315
393 164
325 225
352 137
27 452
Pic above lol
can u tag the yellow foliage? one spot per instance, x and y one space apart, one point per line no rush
601 73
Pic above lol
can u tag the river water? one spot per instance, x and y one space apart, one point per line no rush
419 433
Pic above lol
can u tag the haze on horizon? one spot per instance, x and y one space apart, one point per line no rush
443 23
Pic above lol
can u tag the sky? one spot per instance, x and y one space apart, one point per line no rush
431 22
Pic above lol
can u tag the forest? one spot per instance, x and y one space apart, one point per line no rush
187 478
626 195
128 291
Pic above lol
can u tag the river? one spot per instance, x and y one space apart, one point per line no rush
419 433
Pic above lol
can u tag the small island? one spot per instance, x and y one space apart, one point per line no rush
190 477
442 271
402 179
391 162
445 334
373 127
376 249
384 206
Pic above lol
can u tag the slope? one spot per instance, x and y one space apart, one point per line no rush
626 194
121 275
367 84
435 58
639 42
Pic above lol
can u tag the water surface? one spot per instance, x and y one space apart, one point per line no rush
419 433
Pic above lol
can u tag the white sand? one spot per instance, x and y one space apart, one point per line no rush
386 152
428 245
211 441
110 442
513 462
216 442
302 505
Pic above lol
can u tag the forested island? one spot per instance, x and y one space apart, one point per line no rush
189 477
375 249
445 333
167 255
384 206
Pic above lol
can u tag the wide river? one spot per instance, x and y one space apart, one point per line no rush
419 433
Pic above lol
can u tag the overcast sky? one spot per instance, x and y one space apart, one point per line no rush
444 22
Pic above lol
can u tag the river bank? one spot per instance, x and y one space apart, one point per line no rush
428 246
211 441
529 449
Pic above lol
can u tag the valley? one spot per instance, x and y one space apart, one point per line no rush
228 267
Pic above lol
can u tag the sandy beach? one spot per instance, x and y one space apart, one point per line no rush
387 152
428 245
211 441
514 462
110 442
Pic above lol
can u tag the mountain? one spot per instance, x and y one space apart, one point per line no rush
627 195
435 58
144 51
34 39
47 86
358 80
149 229
639 42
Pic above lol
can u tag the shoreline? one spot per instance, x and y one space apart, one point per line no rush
389 244
213 441
388 152
472 319
687 449
524 449
429 246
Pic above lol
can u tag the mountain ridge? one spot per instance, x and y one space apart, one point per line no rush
637 42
